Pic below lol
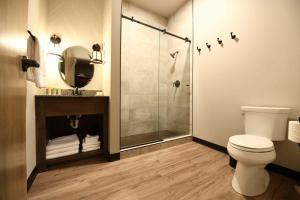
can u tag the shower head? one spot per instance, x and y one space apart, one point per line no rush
174 54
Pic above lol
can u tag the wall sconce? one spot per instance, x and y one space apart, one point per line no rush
55 50
96 54
55 40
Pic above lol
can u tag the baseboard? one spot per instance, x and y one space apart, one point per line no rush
211 145
284 171
114 157
31 178
270 167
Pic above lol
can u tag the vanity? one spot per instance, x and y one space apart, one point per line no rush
52 121
74 115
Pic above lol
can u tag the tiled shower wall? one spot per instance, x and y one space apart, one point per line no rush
180 101
149 101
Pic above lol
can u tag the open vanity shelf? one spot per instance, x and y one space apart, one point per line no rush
52 122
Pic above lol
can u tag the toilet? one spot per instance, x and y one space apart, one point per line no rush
255 149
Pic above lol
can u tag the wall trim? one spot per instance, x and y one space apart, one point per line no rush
31 178
284 171
114 157
270 167
211 145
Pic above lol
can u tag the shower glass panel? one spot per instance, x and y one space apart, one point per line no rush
139 85
174 87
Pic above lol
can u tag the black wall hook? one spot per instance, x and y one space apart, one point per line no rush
208 45
219 41
198 49
233 36
31 35
26 63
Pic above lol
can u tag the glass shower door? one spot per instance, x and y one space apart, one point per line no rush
139 85
174 87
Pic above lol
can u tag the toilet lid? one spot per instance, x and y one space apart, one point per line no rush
251 143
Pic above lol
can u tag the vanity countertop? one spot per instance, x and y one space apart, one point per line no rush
69 96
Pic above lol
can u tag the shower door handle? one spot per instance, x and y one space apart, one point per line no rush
176 84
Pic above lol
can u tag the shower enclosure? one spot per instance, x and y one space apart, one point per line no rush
156 91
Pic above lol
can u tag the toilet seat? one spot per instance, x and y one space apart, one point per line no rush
251 143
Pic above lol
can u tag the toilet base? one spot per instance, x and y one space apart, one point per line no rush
250 180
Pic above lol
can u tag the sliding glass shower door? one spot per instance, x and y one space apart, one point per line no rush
139 85
155 85
174 87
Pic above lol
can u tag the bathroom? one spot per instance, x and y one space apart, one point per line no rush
173 83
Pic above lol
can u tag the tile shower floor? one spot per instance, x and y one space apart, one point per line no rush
146 138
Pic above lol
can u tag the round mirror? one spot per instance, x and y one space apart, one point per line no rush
76 69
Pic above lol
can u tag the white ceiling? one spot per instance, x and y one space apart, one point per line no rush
164 8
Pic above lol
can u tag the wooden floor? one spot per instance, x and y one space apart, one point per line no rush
189 171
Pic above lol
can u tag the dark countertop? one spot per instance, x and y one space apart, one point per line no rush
66 96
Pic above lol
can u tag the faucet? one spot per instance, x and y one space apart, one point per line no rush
76 91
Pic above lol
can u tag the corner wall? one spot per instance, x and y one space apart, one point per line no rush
261 69
112 69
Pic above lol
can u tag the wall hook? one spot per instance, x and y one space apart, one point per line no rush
198 49
31 35
219 41
26 63
208 45
233 36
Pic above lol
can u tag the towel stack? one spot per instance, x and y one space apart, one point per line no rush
91 143
62 146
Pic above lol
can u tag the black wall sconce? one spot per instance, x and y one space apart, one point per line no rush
55 39
96 54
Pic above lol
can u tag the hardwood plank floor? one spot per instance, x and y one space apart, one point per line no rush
185 172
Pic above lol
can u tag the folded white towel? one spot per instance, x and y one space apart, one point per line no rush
91 143
68 138
51 147
90 146
88 136
91 138
90 149
62 142
58 155
61 150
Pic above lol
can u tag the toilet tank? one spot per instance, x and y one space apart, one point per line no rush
269 122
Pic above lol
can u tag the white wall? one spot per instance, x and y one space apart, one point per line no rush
261 69
36 24
79 23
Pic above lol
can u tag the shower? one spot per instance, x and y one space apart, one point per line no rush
174 54
155 95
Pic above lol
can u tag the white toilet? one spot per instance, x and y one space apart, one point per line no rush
255 149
